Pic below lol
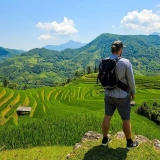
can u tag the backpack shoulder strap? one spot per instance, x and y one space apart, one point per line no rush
117 59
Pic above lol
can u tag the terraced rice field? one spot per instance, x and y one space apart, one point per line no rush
81 95
68 111
50 101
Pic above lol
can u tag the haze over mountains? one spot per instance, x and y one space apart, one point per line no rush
41 66
70 44
155 33
6 53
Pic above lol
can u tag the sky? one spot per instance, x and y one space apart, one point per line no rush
34 24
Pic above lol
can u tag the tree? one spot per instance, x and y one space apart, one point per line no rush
5 82
88 70
25 87
68 80
76 74
84 71
95 68
12 86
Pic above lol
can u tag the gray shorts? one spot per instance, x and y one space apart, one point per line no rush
122 104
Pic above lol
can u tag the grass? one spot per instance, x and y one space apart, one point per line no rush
37 153
68 111
116 150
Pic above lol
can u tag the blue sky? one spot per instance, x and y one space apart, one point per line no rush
34 24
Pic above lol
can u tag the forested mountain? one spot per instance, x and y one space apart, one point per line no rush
70 44
47 67
7 53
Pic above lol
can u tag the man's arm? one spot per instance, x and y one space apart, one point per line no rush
130 79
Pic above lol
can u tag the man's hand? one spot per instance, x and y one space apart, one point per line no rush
132 97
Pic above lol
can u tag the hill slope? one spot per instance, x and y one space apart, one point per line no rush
68 111
45 67
90 149
7 53
37 153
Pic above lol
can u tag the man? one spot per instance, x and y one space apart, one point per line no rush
118 98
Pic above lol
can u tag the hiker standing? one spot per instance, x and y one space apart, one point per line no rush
119 99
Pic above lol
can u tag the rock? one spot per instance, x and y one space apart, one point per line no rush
77 145
120 135
133 103
141 139
91 136
68 156
156 143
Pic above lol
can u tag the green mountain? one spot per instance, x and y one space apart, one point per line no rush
6 53
46 67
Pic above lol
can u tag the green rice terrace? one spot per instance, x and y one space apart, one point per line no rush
60 116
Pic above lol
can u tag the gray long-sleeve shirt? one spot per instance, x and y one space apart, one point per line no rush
125 74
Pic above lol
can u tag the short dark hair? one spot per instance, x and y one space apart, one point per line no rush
114 49
116 45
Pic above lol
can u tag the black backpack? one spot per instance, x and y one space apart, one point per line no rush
107 75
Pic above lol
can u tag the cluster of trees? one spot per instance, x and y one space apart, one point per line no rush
87 70
5 83
78 74
152 112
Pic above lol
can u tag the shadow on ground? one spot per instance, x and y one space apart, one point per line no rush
106 153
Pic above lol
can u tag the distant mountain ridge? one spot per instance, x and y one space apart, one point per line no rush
43 67
70 44
6 53
155 33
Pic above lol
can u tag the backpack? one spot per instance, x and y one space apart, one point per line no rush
107 75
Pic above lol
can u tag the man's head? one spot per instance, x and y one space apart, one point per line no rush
117 47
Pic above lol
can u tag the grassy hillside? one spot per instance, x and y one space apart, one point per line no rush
88 151
61 115
116 150
37 153
42 67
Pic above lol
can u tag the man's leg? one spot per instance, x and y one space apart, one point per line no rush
124 109
105 125
127 132
127 128
109 110
105 129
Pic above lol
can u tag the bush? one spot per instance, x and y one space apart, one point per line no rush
152 112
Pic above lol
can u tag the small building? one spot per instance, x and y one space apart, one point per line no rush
21 110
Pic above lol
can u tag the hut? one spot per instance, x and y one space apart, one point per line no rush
22 110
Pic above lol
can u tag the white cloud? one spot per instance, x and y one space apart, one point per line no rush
158 12
46 37
158 5
145 21
113 26
67 27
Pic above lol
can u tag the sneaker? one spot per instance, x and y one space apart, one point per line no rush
132 145
105 141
